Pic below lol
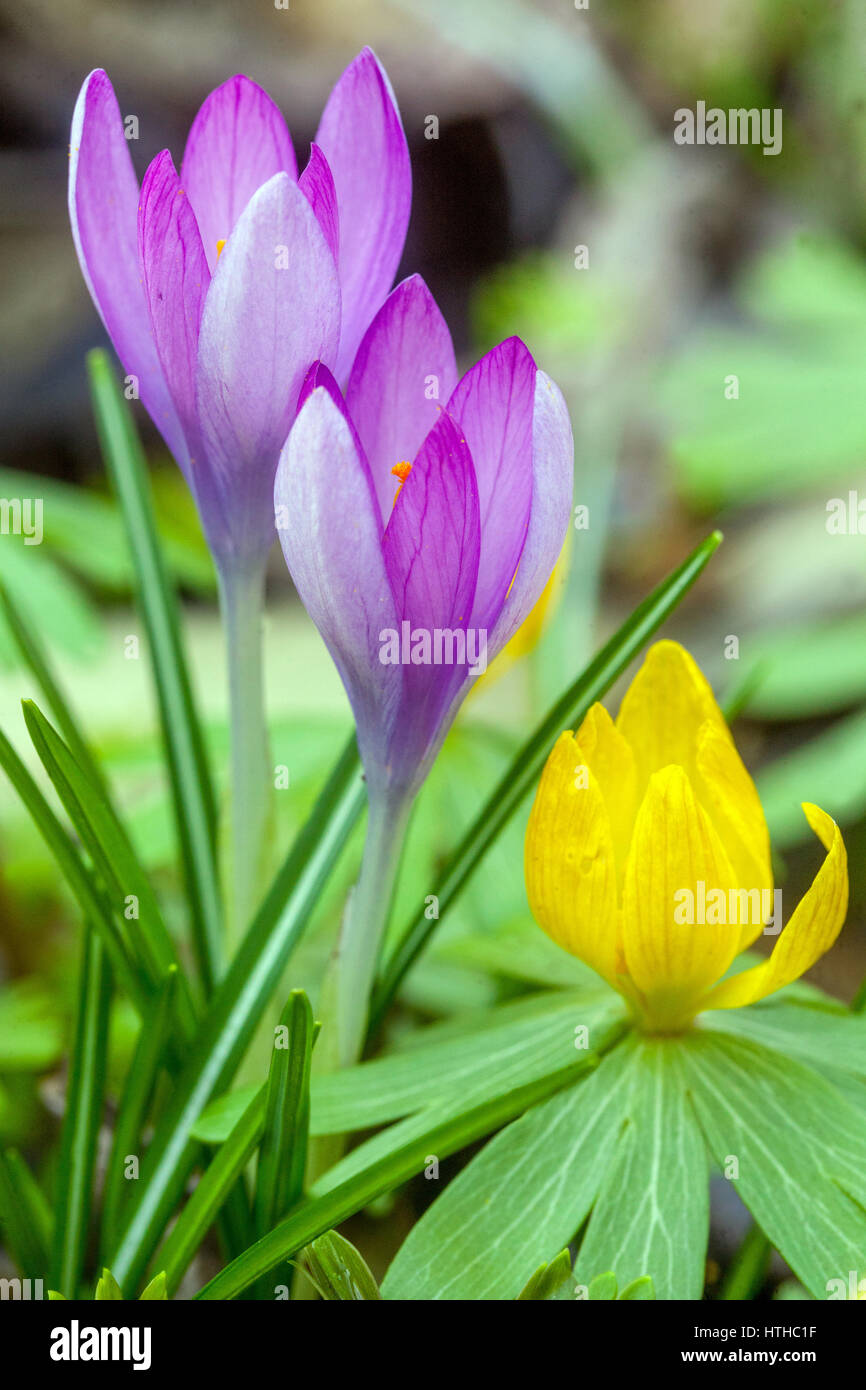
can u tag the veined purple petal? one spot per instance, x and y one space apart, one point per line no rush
431 548
319 375
329 527
317 185
552 488
236 143
362 138
176 280
403 374
272 309
103 209
494 405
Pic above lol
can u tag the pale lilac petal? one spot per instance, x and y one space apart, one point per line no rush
103 209
552 488
317 185
403 374
362 138
272 309
329 527
176 280
431 548
319 375
494 405
237 142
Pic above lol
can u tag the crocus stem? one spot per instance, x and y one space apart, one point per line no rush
366 918
242 599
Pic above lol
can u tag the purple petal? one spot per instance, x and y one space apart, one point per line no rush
272 309
329 527
237 142
176 281
317 185
402 375
103 209
318 375
431 548
494 404
552 487
362 138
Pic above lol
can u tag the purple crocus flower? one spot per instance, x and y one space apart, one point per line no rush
219 286
466 547
414 592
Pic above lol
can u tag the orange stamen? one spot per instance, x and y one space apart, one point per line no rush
401 470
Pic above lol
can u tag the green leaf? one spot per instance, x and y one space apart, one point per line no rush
548 1278
315 1217
108 1289
25 1218
150 1050
88 893
603 1288
84 1098
823 1036
639 1290
107 843
283 1151
525 1194
652 1212
799 1146
192 791
156 1290
521 776
829 770
211 1191
236 1008
338 1271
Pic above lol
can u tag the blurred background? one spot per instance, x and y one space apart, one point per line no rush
702 266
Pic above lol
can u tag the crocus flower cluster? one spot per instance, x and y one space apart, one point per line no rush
221 285
634 820
420 518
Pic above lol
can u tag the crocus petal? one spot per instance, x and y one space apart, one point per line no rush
405 355
494 404
272 309
317 185
331 533
569 860
431 547
176 281
611 761
674 848
814 926
362 138
552 487
103 209
236 143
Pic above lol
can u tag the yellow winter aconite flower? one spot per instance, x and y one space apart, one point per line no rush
647 854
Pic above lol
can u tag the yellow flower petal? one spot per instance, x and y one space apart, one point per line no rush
664 710
728 792
611 761
814 926
569 860
675 850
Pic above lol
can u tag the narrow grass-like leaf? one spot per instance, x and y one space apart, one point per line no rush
35 659
520 777
211 1192
109 847
84 1098
192 791
283 1151
150 1051
88 893
315 1217
338 1271
25 1218
236 1008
